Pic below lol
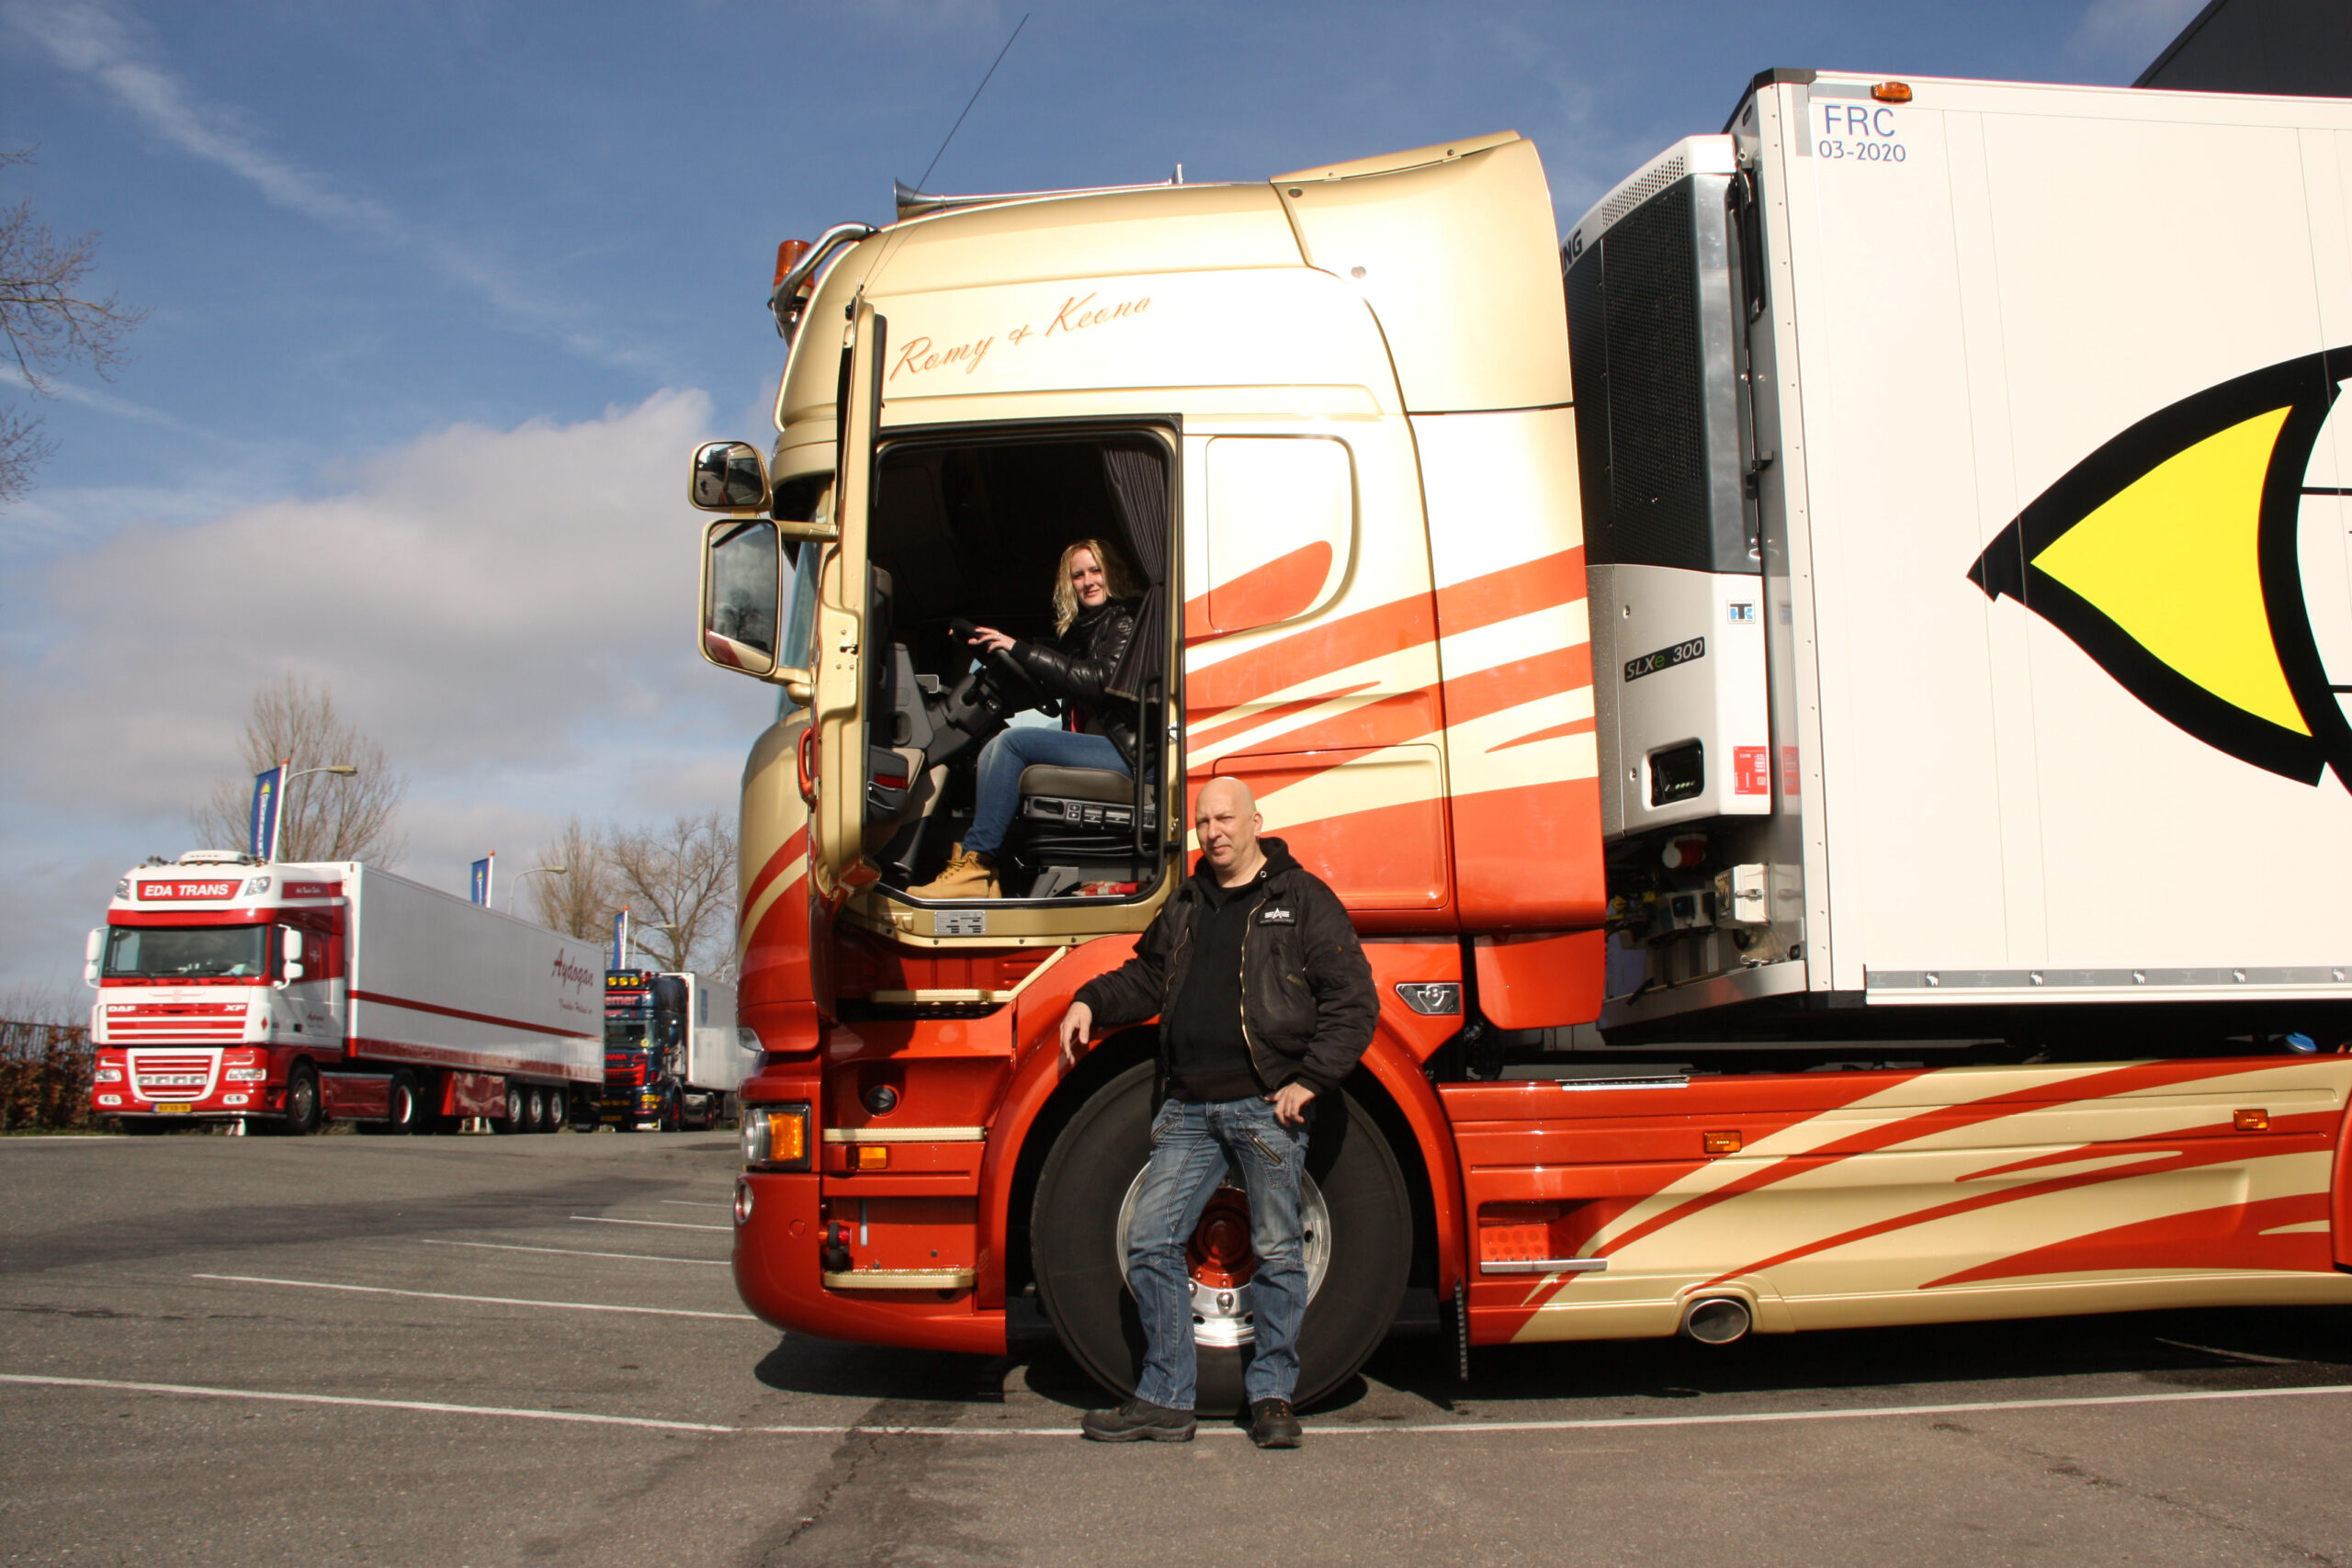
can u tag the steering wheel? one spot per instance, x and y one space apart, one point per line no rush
1011 683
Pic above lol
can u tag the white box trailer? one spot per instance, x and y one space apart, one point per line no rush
1967 520
717 1060
230 987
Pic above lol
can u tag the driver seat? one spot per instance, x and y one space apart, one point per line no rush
1078 825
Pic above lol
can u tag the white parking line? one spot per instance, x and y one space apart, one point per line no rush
657 1224
494 1300
1364 1430
576 1252
694 1204
369 1403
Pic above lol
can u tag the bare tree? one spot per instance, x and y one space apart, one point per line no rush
51 319
581 902
325 817
679 883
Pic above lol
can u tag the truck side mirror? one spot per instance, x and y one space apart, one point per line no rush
743 592
91 950
293 970
727 476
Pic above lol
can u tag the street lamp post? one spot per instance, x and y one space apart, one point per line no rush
550 870
653 926
285 787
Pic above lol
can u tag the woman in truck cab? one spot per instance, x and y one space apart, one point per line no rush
1094 618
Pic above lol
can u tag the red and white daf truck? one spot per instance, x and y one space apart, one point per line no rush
1866 623
285 995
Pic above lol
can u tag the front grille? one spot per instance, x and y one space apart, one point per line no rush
173 1075
171 1021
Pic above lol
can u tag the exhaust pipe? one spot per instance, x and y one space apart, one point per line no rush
1718 1320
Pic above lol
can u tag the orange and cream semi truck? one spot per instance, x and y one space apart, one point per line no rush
1823 691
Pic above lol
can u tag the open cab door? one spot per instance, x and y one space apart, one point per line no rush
833 756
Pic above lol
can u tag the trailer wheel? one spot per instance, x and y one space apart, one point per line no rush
303 1112
517 1104
559 1110
1076 1249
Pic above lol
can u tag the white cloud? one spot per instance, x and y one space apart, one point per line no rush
510 612
90 41
2127 35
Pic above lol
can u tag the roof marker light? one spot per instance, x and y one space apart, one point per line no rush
1892 92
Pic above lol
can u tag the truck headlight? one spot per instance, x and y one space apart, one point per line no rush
775 1137
110 1075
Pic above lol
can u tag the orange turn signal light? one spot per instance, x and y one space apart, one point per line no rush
1892 92
775 1137
873 1157
1724 1142
2250 1120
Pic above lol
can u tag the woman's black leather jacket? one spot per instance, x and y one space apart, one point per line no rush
1077 664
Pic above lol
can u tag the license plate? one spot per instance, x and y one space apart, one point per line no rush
172 1110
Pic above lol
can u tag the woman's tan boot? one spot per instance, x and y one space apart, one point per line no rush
969 876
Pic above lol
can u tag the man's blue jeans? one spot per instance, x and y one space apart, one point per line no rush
998 782
1191 1144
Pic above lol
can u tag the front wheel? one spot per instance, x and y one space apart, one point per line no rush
302 1108
1358 1245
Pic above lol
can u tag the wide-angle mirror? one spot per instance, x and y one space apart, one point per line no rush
742 588
728 476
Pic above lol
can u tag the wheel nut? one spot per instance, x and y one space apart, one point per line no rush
1225 1301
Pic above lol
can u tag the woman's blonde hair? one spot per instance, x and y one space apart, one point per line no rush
1115 577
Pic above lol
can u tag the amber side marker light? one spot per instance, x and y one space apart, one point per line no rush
2250 1120
873 1157
1892 92
1720 1143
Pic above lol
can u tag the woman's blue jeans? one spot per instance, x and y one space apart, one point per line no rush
1028 746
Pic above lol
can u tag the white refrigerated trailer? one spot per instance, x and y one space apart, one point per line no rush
1966 520
285 995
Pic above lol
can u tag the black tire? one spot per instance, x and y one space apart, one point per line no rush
403 1107
673 1114
535 1109
587 1114
559 1110
304 1110
517 1109
1081 1279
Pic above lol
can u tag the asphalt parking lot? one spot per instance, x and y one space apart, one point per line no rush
479 1350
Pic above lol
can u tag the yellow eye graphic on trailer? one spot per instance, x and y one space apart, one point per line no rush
2169 557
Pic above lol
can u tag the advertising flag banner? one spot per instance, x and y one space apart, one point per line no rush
480 884
262 835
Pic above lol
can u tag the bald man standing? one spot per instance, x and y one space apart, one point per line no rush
1265 1002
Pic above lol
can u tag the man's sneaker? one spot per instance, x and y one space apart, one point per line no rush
1271 1424
1139 1421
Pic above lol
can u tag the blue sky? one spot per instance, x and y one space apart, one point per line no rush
441 293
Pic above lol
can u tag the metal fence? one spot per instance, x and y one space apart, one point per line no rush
44 1075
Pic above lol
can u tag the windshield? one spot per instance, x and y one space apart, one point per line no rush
185 953
625 1036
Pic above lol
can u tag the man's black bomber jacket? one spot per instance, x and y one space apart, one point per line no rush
1307 1001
